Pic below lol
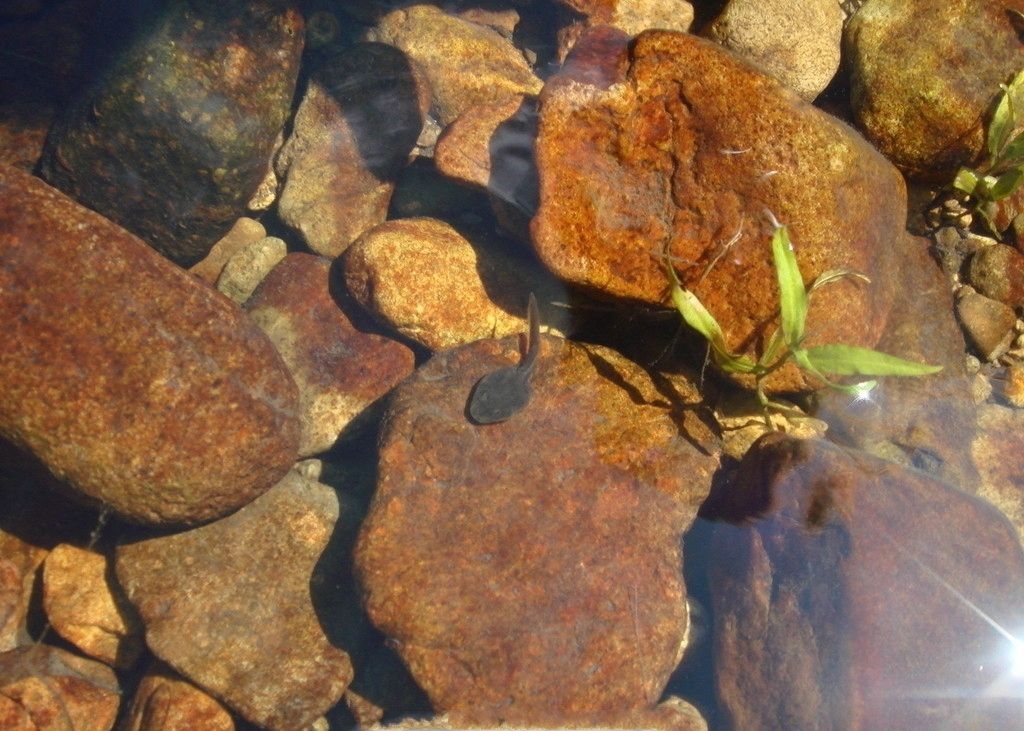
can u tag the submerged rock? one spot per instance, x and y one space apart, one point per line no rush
255 608
340 369
43 687
530 571
849 592
924 102
685 152
467 63
149 392
163 701
177 135
353 132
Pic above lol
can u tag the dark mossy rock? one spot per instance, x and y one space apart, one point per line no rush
174 137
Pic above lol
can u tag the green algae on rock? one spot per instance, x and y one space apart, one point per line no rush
177 134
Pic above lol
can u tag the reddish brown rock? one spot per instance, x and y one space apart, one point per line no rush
987 323
689 153
529 571
353 132
435 286
86 607
177 135
628 16
44 687
165 702
157 397
849 592
18 564
256 607
339 368
925 104
467 64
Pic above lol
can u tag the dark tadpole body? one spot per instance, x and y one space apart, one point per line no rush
503 392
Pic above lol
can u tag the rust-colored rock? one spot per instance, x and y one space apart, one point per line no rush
255 608
849 592
998 273
163 701
924 102
43 687
176 137
529 571
353 132
18 563
147 391
686 156
339 368
467 64
86 607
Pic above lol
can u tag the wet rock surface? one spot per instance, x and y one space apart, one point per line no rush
156 397
798 44
466 63
164 701
850 592
545 587
85 605
359 119
425 279
924 104
274 576
681 160
174 140
340 369
44 687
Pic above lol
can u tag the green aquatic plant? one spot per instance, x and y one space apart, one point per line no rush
787 342
1003 171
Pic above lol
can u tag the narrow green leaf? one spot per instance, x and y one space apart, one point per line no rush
1013 153
1006 183
792 293
1001 125
966 180
852 360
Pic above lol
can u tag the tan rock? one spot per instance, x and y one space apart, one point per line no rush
88 609
925 102
244 232
18 564
249 607
467 64
684 155
247 267
340 369
530 570
634 16
996 450
163 701
43 687
424 279
796 43
157 397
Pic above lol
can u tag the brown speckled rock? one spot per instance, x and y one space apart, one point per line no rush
353 132
163 701
176 137
19 561
849 592
340 370
797 43
633 16
244 231
687 153
146 390
467 63
529 571
43 687
925 103
996 451
86 607
255 608
431 284
998 273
